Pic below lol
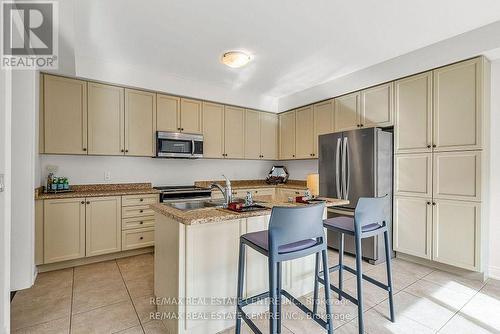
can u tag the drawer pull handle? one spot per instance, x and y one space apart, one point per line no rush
141 223
141 238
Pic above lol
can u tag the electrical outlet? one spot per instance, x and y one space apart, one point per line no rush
107 176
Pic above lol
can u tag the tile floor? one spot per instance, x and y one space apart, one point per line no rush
114 297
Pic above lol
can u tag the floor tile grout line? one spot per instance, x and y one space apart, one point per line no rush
72 299
465 304
130 296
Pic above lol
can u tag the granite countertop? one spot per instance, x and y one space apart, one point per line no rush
214 215
99 190
244 184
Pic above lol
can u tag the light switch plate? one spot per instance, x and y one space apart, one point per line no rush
107 176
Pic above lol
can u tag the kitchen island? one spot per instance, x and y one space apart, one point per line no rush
196 258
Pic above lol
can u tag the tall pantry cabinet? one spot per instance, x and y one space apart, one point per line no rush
438 178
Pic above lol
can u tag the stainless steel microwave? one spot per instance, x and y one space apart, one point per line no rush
179 145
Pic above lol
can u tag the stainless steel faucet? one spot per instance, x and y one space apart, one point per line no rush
227 191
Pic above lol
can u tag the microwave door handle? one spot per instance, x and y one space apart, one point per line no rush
337 171
192 146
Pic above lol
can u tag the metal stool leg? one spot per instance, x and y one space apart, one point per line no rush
241 275
316 285
359 279
326 277
341 262
389 273
272 296
278 300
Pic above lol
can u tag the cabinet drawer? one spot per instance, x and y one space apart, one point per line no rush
137 222
137 238
137 211
131 200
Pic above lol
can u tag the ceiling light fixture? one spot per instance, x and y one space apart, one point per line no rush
235 59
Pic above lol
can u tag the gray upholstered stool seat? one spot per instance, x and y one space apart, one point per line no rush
346 225
261 239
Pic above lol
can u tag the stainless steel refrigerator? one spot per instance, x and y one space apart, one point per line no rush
354 164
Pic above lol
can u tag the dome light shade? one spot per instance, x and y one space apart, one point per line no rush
235 59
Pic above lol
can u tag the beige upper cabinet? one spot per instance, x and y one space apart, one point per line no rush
190 116
269 136
304 133
458 105
106 122
234 132
167 113
457 175
456 233
64 229
287 135
64 115
103 225
140 122
347 112
377 106
413 114
213 130
323 121
252 134
412 226
413 174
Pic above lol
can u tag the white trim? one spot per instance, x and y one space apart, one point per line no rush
494 272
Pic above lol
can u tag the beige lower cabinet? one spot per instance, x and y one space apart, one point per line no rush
140 122
456 233
256 262
138 221
64 229
213 130
38 232
138 238
103 225
412 226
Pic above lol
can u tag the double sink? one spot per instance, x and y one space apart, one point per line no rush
194 205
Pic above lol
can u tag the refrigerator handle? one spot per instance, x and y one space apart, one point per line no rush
348 172
337 171
344 168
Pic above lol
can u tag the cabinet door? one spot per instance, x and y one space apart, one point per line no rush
140 122
412 227
458 106
347 112
234 132
38 232
323 121
457 175
103 225
64 229
64 115
191 116
304 142
413 174
287 135
269 135
376 106
252 134
213 130
167 113
456 233
106 122
413 114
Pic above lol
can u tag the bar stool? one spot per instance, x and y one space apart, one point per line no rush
294 232
369 219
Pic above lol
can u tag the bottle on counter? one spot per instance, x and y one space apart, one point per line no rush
66 184
50 180
248 199
55 181
60 184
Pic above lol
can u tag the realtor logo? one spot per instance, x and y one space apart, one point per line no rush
29 35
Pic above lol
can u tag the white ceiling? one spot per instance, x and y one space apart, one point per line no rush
296 44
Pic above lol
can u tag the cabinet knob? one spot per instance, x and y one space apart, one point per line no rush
84 149
293 155
141 223
433 203
433 145
83 202
141 211
428 146
357 125
141 199
361 125
126 151
122 150
141 238
428 203
88 202
179 129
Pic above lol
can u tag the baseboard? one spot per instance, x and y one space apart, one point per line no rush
494 272
94 259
